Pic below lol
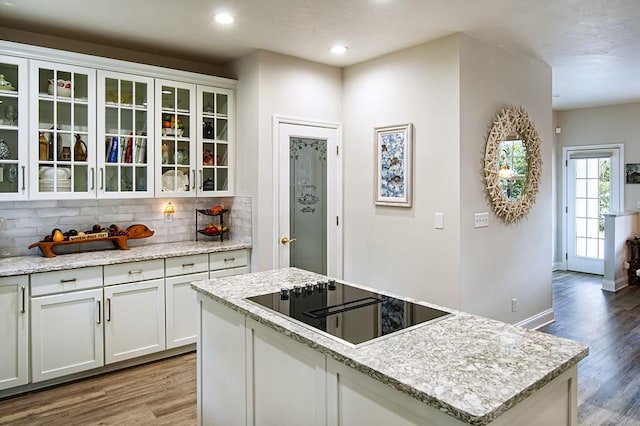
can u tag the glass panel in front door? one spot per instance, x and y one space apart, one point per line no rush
592 202
308 204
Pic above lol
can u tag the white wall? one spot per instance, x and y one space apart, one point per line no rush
502 262
394 248
451 89
277 85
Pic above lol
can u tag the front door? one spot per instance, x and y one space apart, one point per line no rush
592 178
309 197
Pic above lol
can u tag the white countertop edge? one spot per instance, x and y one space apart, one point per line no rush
22 265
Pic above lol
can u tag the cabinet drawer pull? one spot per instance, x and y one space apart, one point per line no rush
135 271
188 265
99 319
24 302
229 259
108 309
70 280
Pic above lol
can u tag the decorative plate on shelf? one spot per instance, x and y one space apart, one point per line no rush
175 181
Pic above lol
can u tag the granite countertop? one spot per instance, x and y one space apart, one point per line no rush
469 367
31 264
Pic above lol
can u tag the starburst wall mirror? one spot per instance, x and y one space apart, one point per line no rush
512 164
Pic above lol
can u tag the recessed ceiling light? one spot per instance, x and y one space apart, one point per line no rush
224 18
338 49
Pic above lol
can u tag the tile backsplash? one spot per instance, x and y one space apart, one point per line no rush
25 222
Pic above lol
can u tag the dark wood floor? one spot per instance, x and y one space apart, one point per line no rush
159 393
163 392
609 378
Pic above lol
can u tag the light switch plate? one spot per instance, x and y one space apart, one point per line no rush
480 220
438 221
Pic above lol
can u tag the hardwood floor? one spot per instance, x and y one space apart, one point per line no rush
159 393
164 392
609 378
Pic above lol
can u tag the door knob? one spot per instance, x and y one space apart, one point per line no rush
286 240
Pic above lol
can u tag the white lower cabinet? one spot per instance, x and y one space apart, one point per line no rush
66 334
182 315
181 312
134 320
14 331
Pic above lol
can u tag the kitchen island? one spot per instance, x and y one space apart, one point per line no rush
256 366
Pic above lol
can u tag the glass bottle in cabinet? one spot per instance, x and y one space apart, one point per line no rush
63 131
125 135
175 111
13 128
215 141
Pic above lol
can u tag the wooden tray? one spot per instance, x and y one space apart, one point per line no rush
46 247
134 232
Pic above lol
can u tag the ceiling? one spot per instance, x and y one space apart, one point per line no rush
593 46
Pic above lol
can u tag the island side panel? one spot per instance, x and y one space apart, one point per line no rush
221 363
554 404
287 380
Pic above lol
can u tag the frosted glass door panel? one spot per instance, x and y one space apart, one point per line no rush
308 204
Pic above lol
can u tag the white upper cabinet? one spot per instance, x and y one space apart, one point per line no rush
125 124
13 128
75 126
215 156
176 142
62 113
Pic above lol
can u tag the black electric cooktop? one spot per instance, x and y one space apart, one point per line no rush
345 312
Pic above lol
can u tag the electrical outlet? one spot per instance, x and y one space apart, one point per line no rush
514 305
480 220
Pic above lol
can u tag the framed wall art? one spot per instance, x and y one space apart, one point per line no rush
393 165
632 171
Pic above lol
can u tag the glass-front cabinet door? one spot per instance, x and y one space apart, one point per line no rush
125 136
62 113
215 141
175 150
13 128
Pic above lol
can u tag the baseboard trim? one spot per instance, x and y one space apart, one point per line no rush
614 286
539 320
557 266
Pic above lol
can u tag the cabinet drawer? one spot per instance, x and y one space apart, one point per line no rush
228 259
133 271
68 280
184 265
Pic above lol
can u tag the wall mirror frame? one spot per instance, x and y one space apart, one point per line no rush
512 121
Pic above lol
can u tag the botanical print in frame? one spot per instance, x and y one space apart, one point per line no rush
393 165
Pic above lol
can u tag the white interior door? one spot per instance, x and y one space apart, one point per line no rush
309 192
593 179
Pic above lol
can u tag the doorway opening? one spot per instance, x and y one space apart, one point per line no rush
593 186
308 209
